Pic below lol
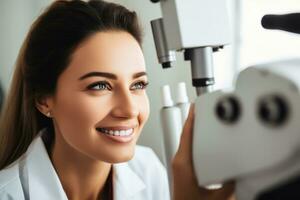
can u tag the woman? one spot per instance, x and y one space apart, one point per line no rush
76 107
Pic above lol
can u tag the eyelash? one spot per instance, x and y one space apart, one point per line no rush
100 83
143 85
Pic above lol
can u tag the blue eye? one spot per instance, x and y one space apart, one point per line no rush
102 85
140 85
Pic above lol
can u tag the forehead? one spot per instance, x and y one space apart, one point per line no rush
111 51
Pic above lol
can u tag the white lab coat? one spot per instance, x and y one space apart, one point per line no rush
33 177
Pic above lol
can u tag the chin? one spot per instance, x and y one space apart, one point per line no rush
119 157
121 160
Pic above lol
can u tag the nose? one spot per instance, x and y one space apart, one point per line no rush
126 105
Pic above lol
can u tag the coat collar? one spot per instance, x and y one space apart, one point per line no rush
126 183
43 179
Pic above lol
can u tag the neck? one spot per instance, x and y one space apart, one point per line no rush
81 176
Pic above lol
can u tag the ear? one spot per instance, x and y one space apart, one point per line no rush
44 105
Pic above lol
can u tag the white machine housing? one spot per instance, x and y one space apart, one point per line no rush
195 23
258 156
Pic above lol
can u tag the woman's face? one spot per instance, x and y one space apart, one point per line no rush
100 105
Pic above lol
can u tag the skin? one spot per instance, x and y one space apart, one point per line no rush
81 155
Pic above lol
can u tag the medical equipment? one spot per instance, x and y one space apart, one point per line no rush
192 26
250 134
182 101
173 33
170 117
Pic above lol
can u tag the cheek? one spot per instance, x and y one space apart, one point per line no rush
144 108
79 113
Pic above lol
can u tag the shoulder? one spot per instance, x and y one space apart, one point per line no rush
10 183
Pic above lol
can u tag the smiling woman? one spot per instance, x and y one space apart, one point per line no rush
76 108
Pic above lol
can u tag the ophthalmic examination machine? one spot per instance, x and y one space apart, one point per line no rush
250 134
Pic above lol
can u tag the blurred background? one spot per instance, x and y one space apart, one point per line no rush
250 44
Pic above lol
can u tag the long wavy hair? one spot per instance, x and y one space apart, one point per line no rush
44 55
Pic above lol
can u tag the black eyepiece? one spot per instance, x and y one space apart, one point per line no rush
288 22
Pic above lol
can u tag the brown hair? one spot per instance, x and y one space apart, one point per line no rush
44 55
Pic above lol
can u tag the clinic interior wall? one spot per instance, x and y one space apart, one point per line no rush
15 19
16 16
258 45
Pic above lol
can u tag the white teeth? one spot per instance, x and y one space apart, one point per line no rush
122 133
117 133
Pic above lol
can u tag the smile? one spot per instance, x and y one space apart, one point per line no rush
121 133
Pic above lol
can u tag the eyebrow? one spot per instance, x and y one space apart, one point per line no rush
109 75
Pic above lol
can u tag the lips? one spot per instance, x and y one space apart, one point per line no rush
115 128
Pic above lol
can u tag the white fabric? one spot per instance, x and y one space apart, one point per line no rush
32 177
